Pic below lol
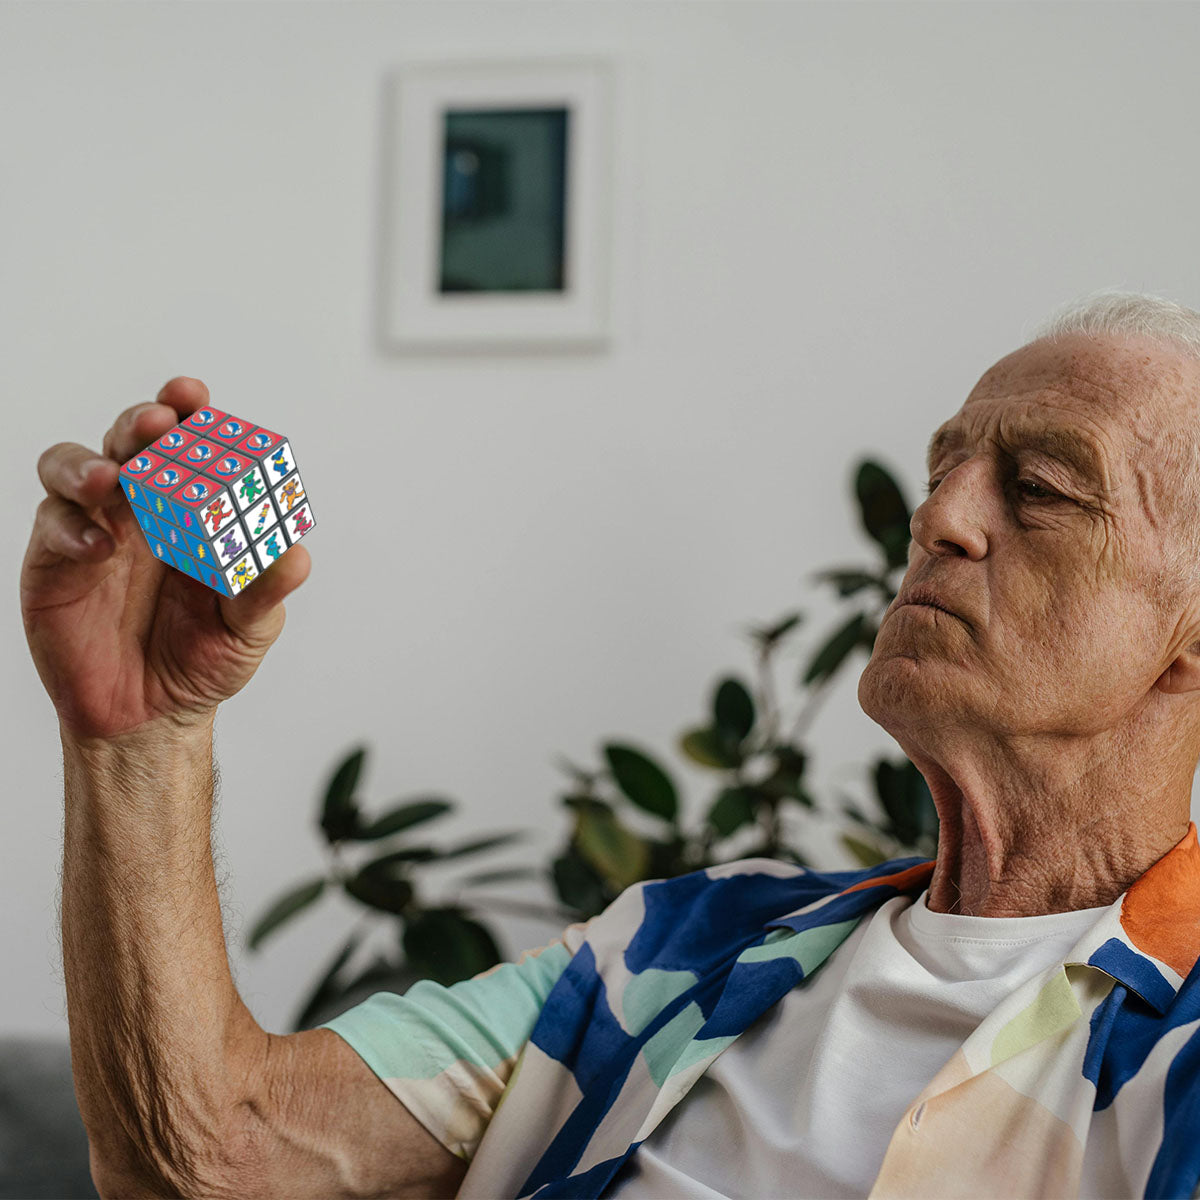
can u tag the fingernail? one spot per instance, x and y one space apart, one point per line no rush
92 536
86 469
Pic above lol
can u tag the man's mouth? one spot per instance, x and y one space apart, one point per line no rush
923 596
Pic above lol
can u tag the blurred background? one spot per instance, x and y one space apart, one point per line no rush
827 220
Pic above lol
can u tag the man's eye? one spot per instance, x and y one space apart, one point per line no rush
1032 489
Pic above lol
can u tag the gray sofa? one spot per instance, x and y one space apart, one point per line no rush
43 1146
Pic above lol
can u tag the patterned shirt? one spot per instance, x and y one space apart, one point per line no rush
547 1073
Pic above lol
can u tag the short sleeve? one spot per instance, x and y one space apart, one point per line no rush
447 1052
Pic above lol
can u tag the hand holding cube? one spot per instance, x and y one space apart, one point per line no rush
218 498
123 646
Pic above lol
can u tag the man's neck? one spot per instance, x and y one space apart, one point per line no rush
1020 837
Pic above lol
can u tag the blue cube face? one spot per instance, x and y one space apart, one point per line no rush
218 498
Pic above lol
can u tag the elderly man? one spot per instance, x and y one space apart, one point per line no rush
1018 1018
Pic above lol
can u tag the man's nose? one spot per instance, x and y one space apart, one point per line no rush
950 521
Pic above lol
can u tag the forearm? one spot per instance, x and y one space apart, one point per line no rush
158 1031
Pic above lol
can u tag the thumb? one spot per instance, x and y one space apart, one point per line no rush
256 614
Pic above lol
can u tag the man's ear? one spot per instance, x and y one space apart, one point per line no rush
1183 675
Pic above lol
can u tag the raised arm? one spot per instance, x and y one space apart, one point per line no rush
181 1092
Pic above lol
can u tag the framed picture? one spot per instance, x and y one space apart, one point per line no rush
497 214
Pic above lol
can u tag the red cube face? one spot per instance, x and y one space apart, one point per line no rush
218 498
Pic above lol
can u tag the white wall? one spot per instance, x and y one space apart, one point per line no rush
830 219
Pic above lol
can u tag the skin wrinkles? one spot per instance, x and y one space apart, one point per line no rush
1079 458
1142 477
1058 723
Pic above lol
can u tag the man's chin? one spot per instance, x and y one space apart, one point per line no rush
899 685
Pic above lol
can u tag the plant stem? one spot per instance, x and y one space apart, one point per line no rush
767 699
815 699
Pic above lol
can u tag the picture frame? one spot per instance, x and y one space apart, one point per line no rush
498 212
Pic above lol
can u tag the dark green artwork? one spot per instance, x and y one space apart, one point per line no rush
504 200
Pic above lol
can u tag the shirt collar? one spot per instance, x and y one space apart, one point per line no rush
1148 939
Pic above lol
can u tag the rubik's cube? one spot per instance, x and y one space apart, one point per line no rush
218 498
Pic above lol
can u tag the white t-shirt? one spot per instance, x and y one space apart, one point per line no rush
805 1102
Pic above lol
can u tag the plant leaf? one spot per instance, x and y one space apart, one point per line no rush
868 855
920 799
449 946
906 800
379 890
784 780
290 903
928 820
892 800
406 854
404 817
804 798
587 803
502 875
339 811
833 653
579 774
577 884
856 814
642 780
615 852
733 808
885 515
704 746
849 581
480 844
667 859
768 635
733 710
325 990
866 636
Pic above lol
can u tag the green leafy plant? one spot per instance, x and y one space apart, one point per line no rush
757 758
438 941
627 817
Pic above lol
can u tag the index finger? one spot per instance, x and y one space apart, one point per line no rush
184 394
131 431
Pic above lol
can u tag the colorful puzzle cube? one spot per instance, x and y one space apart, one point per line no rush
218 498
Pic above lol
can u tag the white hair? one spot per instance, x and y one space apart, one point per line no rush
1115 312
1119 313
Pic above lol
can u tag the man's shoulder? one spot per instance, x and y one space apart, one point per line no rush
775 877
722 904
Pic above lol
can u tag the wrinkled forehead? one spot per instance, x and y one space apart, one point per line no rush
1114 384
1109 408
